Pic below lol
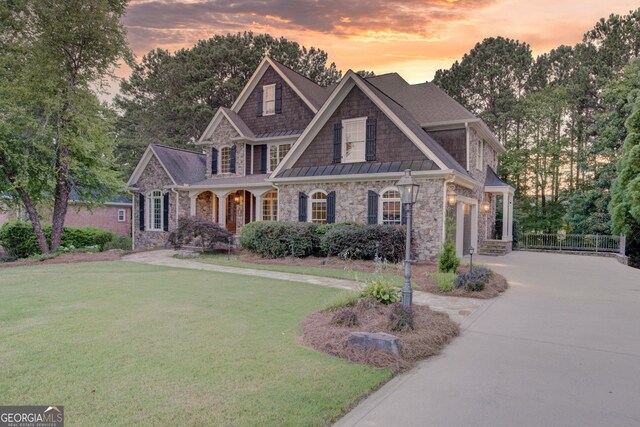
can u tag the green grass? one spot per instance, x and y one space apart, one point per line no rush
119 343
335 273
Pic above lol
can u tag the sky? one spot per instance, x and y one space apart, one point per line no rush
412 37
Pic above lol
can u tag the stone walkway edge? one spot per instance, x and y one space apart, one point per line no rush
459 309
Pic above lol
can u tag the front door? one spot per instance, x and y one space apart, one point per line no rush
231 213
466 235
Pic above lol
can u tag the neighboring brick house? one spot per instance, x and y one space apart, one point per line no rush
114 215
290 150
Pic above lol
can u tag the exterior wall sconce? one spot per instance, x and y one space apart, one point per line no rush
451 196
238 199
486 206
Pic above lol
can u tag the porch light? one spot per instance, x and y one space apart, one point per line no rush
238 199
486 207
451 196
408 188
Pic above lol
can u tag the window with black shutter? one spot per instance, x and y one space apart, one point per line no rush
302 207
141 211
278 98
165 212
232 160
214 160
331 207
337 142
372 207
259 103
370 149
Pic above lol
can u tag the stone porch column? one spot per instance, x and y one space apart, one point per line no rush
506 217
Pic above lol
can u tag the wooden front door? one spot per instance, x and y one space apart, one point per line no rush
231 213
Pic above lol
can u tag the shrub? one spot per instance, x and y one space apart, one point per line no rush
198 231
382 290
444 281
19 240
400 317
274 239
474 282
363 242
340 300
345 316
448 262
118 242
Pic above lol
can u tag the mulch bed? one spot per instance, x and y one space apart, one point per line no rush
420 272
432 331
112 255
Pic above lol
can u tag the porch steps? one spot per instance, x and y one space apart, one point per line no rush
494 247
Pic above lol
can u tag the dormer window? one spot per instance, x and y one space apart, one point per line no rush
269 100
225 160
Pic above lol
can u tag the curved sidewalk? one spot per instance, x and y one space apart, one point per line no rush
459 309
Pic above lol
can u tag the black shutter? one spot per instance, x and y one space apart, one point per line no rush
371 139
337 142
331 207
165 212
372 207
302 207
232 160
403 216
278 98
214 160
263 158
141 211
259 106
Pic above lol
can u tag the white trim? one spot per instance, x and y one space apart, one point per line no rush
310 204
499 189
220 161
112 204
214 123
343 142
276 144
269 139
473 203
466 132
124 215
142 164
381 202
337 96
148 209
255 78
264 99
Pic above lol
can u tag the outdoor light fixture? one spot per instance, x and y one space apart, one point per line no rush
486 207
238 199
408 188
451 196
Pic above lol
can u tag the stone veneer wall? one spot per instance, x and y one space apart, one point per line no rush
351 205
221 137
153 178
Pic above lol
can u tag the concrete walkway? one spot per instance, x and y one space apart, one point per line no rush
560 348
459 309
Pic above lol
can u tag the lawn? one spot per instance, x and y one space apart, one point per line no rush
327 271
126 344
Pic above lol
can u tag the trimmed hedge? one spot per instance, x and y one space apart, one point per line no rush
19 240
348 240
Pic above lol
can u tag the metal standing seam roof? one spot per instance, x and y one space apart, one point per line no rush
493 180
184 166
280 133
359 168
234 180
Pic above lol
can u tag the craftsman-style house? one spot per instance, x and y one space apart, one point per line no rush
290 150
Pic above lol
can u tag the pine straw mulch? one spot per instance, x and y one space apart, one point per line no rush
70 258
420 272
432 331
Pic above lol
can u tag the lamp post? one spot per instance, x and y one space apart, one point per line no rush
408 189
471 251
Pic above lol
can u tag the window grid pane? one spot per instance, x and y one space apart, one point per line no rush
391 207
156 211
225 160
354 140
270 206
319 208
269 99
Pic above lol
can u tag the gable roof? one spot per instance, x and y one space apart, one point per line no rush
310 92
182 166
115 200
232 117
396 113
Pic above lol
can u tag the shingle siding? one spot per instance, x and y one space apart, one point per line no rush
391 144
454 141
295 113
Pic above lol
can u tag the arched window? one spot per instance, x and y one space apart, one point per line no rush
225 160
270 206
318 207
155 210
391 209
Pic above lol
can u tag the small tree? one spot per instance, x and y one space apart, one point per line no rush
198 231
448 261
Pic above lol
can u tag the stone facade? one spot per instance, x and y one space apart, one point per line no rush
221 137
391 144
296 115
205 205
489 158
153 177
351 205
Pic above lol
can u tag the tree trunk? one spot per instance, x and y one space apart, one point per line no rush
61 197
35 220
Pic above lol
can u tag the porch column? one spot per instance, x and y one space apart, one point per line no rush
222 209
192 199
506 217
510 216
259 207
459 228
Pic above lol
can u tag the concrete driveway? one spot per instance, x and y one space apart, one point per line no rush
560 348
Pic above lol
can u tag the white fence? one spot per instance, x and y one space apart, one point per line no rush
572 242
